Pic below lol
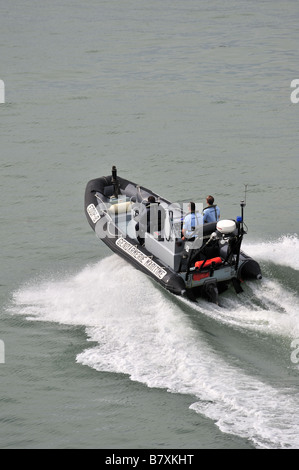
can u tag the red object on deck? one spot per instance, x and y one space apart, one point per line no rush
199 276
208 262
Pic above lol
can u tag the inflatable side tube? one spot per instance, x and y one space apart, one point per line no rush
142 260
249 268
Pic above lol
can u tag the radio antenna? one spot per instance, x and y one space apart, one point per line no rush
245 192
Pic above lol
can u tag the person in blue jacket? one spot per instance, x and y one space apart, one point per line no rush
191 220
211 213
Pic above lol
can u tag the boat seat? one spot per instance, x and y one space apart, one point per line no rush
120 208
109 190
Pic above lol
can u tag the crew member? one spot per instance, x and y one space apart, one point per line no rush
151 220
211 213
191 221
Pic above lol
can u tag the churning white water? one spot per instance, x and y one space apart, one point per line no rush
141 332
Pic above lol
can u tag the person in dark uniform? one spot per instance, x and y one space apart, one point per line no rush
151 220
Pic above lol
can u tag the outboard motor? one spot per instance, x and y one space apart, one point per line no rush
228 238
226 227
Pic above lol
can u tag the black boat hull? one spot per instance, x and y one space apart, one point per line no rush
100 195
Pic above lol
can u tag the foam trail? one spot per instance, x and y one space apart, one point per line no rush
86 298
141 333
264 306
284 251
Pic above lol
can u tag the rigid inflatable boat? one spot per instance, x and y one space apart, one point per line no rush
119 212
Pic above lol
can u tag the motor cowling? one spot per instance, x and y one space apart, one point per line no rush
226 227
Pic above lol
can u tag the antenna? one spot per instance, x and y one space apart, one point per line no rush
245 193
241 232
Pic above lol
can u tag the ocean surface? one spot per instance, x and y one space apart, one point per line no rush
188 98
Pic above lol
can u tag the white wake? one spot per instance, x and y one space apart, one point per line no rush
140 332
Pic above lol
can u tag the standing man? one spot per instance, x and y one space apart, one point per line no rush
151 219
211 213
